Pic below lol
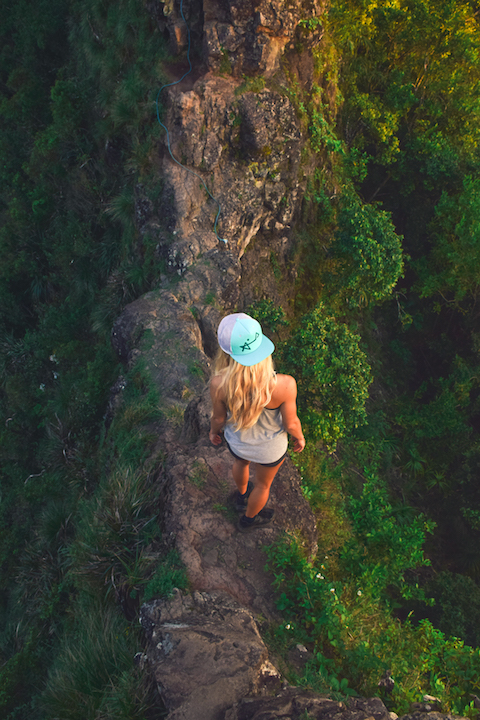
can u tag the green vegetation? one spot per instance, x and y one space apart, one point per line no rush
169 574
368 252
270 316
251 84
332 375
388 252
345 605
78 517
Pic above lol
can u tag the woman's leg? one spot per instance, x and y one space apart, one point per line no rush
261 492
240 472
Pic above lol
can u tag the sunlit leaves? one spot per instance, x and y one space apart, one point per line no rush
369 251
406 62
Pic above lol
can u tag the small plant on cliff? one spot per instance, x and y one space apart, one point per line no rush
225 63
251 84
169 574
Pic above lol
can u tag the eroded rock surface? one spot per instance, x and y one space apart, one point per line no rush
242 37
162 330
297 704
248 147
206 652
242 138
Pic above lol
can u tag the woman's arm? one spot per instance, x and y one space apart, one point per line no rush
219 411
288 408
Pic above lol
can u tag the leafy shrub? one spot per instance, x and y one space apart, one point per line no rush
332 375
354 638
269 315
369 252
384 546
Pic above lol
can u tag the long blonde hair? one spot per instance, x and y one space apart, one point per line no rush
247 389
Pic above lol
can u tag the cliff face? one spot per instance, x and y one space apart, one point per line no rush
234 123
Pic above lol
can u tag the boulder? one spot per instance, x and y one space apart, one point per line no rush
205 651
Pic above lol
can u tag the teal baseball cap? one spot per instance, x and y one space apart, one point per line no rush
241 337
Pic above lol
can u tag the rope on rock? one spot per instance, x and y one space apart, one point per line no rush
168 134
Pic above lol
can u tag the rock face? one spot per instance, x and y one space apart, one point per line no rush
241 37
235 128
249 36
163 332
208 653
250 146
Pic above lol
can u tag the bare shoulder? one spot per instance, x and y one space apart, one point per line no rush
285 389
286 381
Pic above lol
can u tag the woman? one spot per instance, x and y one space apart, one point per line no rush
256 409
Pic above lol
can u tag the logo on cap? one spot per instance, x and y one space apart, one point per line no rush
247 343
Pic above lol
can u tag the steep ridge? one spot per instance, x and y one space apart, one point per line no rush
237 127
209 639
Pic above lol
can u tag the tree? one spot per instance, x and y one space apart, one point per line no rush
453 273
369 251
332 375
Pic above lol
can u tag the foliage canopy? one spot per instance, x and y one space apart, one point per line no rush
332 375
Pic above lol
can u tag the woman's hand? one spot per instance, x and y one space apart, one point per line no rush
298 444
215 439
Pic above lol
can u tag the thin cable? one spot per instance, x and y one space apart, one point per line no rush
168 134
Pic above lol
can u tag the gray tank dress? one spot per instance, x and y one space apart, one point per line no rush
265 442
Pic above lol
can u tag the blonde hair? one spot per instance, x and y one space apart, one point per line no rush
247 389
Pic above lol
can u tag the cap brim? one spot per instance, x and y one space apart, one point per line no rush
265 349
